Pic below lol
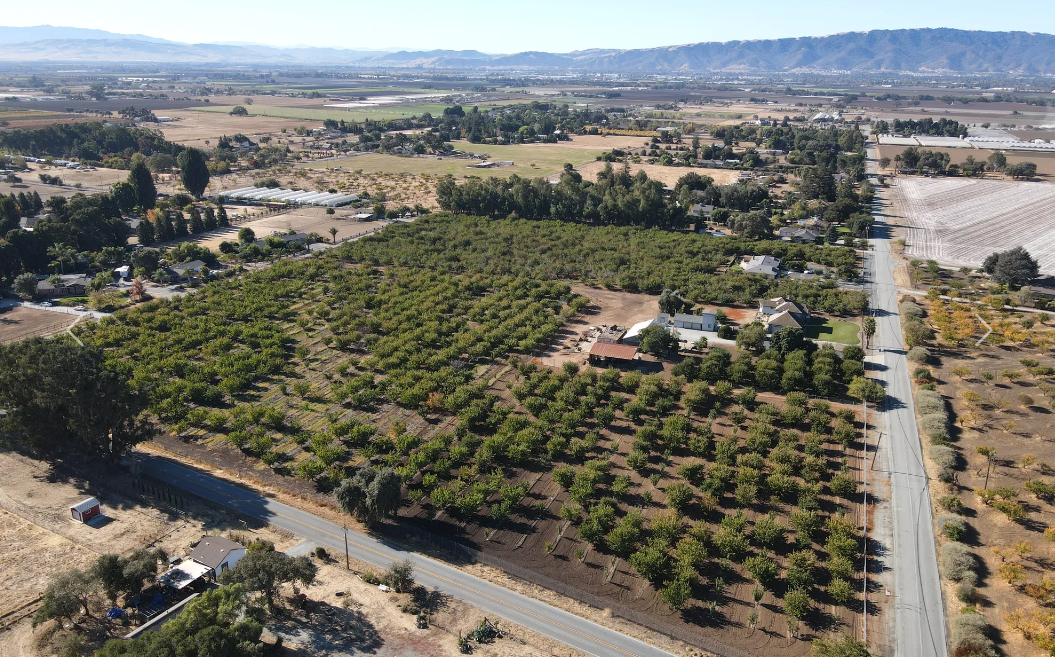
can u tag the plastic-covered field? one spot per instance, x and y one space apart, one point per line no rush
960 222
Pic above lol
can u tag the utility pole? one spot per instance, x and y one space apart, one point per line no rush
347 565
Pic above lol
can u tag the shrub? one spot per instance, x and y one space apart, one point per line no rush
929 401
952 526
944 456
958 562
919 355
970 636
951 503
909 309
966 594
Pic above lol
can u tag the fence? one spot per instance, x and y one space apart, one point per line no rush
465 552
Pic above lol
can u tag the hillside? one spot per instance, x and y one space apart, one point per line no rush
913 50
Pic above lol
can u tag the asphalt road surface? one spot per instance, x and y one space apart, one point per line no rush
919 615
549 621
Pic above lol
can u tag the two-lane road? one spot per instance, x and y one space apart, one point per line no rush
919 615
576 632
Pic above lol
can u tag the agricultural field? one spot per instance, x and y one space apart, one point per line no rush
688 497
989 422
960 221
299 219
400 111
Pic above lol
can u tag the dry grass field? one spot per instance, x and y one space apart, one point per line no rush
666 175
959 221
20 323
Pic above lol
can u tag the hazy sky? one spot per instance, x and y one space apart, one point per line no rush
504 26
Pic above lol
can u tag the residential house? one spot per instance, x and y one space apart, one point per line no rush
701 211
764 265
777 313
217 553
798 234
63 285
187 270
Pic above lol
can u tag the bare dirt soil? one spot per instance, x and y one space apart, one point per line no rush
301 220
19 323
363 619
90 181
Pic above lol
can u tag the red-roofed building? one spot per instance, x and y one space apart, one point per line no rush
605 351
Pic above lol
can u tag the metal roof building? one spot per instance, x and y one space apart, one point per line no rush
291 196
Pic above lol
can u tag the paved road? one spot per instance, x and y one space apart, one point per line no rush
919 616
554 623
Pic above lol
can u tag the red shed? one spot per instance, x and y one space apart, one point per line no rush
86 510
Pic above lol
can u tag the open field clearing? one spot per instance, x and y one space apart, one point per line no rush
98 180
403 111
194 127
20 323
666 175
301 220
960 222
1045 161
530 160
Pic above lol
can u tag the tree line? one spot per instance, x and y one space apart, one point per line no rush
88 142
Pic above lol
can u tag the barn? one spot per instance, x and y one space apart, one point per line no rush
86 510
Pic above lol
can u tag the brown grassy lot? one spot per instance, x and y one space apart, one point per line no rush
999 402
20 323
666 175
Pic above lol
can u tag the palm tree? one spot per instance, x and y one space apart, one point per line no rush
333 233
62 254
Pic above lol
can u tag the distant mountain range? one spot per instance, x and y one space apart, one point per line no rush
913 51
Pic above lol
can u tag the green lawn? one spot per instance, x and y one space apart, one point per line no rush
547 158
833 330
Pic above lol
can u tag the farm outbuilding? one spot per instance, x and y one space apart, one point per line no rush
606 351
86 510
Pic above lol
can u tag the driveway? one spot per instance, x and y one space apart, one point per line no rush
557 624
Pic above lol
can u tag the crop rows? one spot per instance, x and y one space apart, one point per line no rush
960 222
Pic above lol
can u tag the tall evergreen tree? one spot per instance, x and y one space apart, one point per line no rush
196 224
180 225
141 179
221 216
194 172
210 218
145 232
